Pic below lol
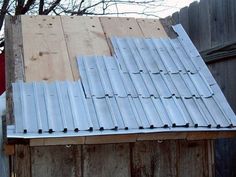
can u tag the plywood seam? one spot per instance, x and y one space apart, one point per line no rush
67 49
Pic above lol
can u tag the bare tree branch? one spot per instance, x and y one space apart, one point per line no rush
3 11
27 6
19 6
54 4
41 5
81 7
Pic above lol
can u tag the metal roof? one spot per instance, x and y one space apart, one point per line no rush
149 85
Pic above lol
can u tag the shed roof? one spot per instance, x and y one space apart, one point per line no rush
149 85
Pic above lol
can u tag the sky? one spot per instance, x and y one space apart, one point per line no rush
177 5
162 8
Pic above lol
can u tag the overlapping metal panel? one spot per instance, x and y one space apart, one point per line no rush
62 106
148 85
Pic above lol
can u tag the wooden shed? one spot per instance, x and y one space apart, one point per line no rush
44 48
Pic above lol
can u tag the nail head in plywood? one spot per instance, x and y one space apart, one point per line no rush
152 28
114 26
84 36
44 48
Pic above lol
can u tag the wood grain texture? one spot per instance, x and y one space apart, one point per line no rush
184 18
151 28
84 36
193 13
209 23
120 27
45 51
14 60
106 160
57 161
154 158
196 154
204 25
170 158
225 155
175 17
22 163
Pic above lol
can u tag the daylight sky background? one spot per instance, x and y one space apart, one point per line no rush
177 5
162 9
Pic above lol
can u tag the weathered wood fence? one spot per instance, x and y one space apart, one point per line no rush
212 24
209 23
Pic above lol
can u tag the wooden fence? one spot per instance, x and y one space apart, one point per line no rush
212 24
209 23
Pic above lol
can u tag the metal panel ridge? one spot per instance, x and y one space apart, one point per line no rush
148 85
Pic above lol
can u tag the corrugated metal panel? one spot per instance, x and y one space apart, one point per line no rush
62 106
149 85
103 77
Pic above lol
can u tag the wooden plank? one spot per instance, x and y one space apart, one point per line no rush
204 25
167 23
175 17
111 139
22 164
193 13
154 158
224 158
4 152
120 27
211 157
84 36
8 149
14 60
57 161
106 160
193 159
224 153
162 136
56 141
44 47
184 19
151 28
230 20
217 22
107 139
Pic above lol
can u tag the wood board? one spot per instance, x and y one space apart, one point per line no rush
44 48
83 36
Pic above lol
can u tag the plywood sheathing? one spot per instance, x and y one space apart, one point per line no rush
51 43
44 47
83 36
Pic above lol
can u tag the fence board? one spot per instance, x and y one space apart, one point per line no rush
154 158
196 154
204 25
193 13
22 162
184 18
175 17
106 160
57 161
